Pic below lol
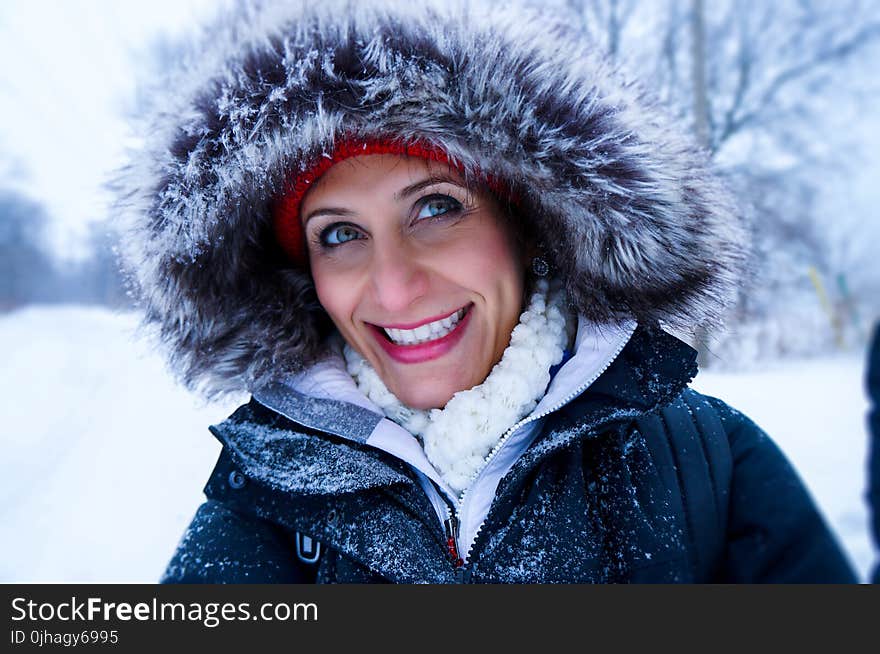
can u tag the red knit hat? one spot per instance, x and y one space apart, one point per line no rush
285 210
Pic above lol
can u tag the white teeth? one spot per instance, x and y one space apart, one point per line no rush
424 333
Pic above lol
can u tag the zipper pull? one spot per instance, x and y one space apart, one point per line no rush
451 525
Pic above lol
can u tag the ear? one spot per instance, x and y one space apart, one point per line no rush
529 252
532 250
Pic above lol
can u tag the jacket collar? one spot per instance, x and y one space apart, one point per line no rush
653 369
273 438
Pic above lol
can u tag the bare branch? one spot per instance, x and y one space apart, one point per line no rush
814 64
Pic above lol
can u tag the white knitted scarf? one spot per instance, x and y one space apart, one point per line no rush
458 437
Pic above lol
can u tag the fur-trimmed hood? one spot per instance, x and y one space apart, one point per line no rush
623 203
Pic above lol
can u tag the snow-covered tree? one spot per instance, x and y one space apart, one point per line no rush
767 88
26 269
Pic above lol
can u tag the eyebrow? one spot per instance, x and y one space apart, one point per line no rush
429 181
328 211
400 195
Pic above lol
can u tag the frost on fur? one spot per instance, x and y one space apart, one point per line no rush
624 204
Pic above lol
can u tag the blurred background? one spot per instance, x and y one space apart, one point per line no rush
104 455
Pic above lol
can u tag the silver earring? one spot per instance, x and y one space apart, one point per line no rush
540 267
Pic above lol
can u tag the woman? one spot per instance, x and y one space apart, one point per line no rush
437 246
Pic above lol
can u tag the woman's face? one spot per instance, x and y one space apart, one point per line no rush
421 275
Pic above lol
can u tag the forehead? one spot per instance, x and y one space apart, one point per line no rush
377 175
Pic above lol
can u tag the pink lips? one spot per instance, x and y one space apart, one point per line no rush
423 351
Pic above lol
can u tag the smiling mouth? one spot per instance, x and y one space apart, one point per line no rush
426 333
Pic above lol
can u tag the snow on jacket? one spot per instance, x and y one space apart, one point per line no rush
638 480
633 478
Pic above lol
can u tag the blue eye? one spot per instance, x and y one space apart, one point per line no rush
438 205
339 234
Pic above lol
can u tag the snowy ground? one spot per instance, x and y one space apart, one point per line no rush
816 411
104 457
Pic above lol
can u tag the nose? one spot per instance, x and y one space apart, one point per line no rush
397 277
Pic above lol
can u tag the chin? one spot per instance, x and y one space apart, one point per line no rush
433 386
425 399
430 392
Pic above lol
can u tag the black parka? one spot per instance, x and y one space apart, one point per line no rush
638 480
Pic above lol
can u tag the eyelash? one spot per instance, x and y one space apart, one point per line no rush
456 210
324 236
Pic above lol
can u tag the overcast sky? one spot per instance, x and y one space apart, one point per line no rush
67 72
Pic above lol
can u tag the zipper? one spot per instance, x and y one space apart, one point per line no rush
522 423
450 525
450 532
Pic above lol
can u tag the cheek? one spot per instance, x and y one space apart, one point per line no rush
494 268
336 295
